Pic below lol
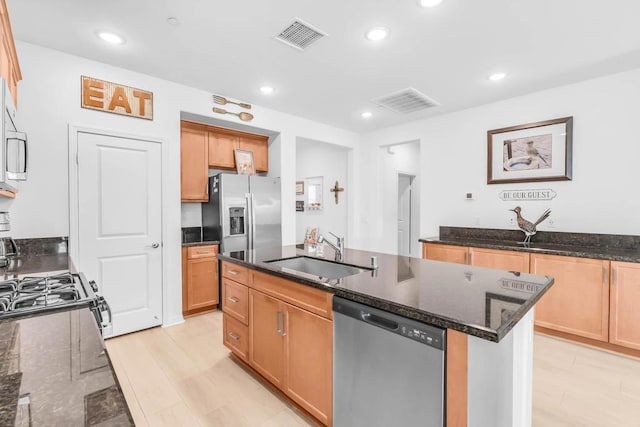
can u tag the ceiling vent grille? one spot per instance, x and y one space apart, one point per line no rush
405 101
300 35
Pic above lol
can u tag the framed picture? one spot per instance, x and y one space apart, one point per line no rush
499 308
299 188
244 162
299 205
533 152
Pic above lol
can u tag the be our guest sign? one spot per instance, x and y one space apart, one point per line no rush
115 98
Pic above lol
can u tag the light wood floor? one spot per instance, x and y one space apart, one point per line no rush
183 376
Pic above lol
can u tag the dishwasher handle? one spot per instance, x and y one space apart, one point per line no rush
379 321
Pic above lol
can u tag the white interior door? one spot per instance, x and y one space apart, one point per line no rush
120 226
404 215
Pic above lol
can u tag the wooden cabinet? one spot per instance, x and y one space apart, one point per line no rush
624 325
223 142
194 167
578 302
446 253
480 257
502 260
290 333
9 66
200 286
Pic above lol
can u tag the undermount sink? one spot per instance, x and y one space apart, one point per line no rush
318 267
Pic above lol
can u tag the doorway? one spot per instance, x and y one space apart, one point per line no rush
116 223
406 207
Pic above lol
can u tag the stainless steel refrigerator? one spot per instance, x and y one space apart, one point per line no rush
243 212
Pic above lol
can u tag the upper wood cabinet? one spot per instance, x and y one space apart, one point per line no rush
624 326
578 302
194 167
9 66
446 253
223 142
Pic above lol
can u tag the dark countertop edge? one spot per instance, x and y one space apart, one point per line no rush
586 252
400 309
206 243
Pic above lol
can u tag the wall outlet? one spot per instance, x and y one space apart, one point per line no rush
512 221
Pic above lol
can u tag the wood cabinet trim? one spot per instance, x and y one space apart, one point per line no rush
456 379
302 296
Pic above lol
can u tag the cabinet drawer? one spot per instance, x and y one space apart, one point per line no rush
202 251
302 296
235 300
235 272
236 337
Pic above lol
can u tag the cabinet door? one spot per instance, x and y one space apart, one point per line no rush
194 168
578 302
308 361
259 145
502 260
447 253
202 279
266 343
625 305
221 146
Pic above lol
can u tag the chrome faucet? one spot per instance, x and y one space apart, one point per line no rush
339 248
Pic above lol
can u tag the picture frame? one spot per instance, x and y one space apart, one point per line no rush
299 205
299 188
533 152
244 162
497 306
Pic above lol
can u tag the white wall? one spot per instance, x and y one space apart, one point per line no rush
601 198
49 100
329 161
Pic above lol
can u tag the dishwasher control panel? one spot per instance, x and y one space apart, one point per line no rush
422 335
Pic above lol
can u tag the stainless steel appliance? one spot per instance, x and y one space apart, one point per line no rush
4 253
13 153
387 370
243 212
33 295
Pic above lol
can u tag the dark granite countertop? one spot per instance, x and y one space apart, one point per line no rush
482 302
205 243
611 247
54 371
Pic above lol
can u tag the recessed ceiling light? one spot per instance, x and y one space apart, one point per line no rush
430 3
173 21
267 90
110 37
497 76
376 34
366 114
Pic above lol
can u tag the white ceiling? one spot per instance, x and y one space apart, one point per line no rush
445 52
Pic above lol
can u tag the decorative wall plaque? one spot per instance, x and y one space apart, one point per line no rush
115 98
513 195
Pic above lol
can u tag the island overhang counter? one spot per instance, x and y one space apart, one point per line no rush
487 314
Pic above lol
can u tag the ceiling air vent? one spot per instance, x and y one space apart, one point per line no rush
405 101
300 35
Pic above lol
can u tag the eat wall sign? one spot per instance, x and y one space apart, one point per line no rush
115 98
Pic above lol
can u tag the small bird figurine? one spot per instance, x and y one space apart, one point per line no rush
528 227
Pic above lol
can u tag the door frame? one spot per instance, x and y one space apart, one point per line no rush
414 211
74 221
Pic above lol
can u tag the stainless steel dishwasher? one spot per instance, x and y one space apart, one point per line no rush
387 370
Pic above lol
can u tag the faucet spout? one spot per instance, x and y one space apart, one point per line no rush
337 248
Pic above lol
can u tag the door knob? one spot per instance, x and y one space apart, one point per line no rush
154 246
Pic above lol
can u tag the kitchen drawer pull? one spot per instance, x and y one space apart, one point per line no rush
202 252
233 272
233 299
233 336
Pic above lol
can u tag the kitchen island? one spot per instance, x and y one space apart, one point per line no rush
487 315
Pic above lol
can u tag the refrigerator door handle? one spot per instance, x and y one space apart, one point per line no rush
248 217
253 222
